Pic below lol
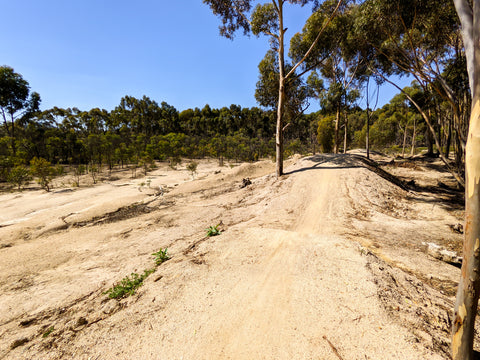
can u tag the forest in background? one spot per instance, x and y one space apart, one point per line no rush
139 131
364 43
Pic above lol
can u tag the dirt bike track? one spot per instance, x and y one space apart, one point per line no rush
303 268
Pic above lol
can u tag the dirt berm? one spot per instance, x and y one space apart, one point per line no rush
327 262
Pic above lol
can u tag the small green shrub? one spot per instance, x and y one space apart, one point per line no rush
43 171
48 332
147 163
19 176
213 230
161 256
78 171
192 167
94 173
326 133
59 170
175 161
128 285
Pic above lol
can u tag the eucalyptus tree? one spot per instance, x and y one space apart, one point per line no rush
266 18
138 117
469 285
418 38
95 120
16 101
335 57
296 91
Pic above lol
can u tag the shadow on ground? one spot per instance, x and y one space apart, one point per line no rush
444 195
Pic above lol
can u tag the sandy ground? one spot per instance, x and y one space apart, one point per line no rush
327 262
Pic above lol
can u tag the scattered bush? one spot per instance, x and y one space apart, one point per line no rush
325 133
213 230
161 256
175 161
128 285
43 171
48 332
94 173
19 176
192 167
147 163
78 171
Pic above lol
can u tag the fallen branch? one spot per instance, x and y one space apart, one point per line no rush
334 349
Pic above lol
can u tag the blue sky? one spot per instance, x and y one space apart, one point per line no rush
91 53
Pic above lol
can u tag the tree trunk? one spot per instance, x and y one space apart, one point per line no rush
404 141
281 93
412 152
469 285
455 174
345 136
14 149
337 128
430 136
429 140
449 139
367 137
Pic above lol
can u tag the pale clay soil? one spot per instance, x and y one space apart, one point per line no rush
325 263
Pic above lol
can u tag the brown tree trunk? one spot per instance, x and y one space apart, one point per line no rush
448 142
455 174
345 136
404 141
367 139
337 128
14 148
412 152
469 285
281 93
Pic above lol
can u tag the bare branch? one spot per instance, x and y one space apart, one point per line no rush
429 124
316 40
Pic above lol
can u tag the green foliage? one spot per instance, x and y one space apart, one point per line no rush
161 256
15 101
128 285
19 176
264 19
147 163
48 332
325 133
43 171
59 170
266 92
78 171
6 164
213 230
94 173
294 147
175 161
192 167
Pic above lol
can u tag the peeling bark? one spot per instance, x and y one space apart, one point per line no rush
281 93
469 285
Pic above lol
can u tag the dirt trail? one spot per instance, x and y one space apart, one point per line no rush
283 281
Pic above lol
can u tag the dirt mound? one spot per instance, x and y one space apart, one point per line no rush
301 262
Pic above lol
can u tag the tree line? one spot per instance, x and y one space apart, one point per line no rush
139 131
136 132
